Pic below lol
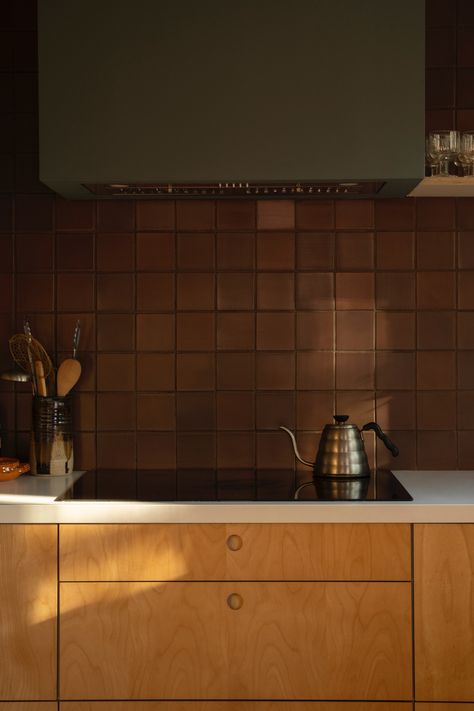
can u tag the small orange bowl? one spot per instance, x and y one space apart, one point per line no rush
10 468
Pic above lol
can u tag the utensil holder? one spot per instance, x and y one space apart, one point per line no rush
51 445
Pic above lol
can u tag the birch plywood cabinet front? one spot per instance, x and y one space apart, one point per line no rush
276 618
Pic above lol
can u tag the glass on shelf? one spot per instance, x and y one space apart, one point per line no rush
466 153
443 147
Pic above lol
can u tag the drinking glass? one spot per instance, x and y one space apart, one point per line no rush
444 145
431 160
466 153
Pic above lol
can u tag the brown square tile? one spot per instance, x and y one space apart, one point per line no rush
354 251
33 213
435 214
155 332
115 371
396 214
235 449
440 47
6 293
395 290
275 331
436 410
436 290
43 328
274 450
314 370
156 450
315 330
315 214
155 292
275 409
85 451
74 251
315 250
355 330
235 291
116 450
394 371
465 370
235 251
236 214
275 214
195 371
436 370
464 90
6 253
395 331
358 404
84 407
434 118
465 409
355 291
235 411
466 250
34 253
314 290
466 450
35 292
115 252
275 291
155 214
6 212
355 371
354 214
436 330
436 450
195 251
235 331
115 292
116 411
314 409
395 250
75 292
466 290
156 412
439 88
465 212
74 215
236 371
465 13
195 292
115 332
465 329
195 331
406 443
195 214
65 325
196 449
435 250
276 250
275 371
195 411
464 120
155 371
115 215
155 252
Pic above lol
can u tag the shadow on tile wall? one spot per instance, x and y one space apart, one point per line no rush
207 325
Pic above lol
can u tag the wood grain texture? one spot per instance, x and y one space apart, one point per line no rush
28 600
288 641
421 706
444 605
28 706
269 552
234 706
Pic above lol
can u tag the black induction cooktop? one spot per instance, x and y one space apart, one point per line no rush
209 485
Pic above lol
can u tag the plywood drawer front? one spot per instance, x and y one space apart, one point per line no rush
286 641
235 552
443 707
232 706
28 595
28 706
444 604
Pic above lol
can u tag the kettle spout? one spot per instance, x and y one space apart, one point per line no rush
295 447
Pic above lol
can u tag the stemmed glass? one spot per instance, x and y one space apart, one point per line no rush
443 146
466 153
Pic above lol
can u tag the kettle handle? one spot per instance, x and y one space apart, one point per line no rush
381 435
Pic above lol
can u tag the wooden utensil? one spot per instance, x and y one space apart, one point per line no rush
40 379
21 346
69 373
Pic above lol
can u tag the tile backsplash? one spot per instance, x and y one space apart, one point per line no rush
206 325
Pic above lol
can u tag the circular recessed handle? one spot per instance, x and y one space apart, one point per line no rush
234 542
235 601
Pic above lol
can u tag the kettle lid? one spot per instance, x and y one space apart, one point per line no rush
340 419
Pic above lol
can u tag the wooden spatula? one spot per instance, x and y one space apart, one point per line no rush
69 373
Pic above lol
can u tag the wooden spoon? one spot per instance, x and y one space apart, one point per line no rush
69 373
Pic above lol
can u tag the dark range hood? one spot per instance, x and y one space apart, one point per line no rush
231 98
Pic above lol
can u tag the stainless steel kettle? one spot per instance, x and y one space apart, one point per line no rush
341 451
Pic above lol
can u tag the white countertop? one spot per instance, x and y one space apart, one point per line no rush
438 496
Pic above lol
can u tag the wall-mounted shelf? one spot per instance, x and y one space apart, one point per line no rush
449 186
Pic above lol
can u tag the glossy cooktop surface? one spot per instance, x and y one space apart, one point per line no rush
211 485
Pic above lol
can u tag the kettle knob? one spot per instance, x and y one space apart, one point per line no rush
340 419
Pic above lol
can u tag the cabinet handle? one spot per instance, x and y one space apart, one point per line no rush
234 542
235 601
